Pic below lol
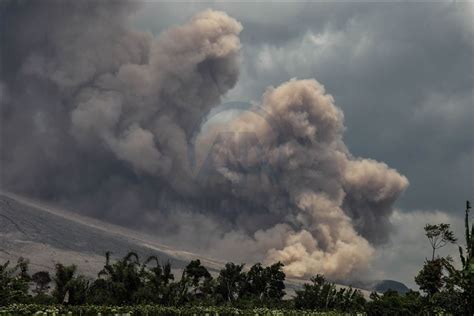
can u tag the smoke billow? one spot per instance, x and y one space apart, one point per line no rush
104 119
329 204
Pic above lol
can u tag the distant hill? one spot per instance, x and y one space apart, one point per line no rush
385 285
380 286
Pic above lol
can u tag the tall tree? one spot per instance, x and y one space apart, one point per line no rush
197 279
431 278
439 236
230 281
452 291
465 277
276 281
265 283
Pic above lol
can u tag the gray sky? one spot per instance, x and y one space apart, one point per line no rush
401 72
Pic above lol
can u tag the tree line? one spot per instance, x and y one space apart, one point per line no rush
128 281
131 281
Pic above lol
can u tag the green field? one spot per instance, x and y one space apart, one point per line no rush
90 310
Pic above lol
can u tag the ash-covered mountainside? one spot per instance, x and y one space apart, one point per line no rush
47 235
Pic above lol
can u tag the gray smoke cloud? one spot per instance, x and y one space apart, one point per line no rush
331 206
106 120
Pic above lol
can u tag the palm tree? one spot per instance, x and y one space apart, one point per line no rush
157 282
122 278
69 288
62 279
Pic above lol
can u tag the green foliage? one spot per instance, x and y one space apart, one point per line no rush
448 289
42 280
195 284
69 288
392 303
444 302
22 267
126 282
430 277
323 295
118 283
14 282
157 310
264 285
156 283
230 282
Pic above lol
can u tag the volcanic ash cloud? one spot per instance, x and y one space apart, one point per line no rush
115 115
329 203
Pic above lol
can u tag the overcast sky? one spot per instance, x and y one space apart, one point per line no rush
401 72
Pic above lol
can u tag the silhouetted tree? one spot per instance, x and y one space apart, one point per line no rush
13 283
42 280
230 281
196 281
156 282
323 295
393 303
314 296
450 292
69 288
430 278
463 279
264 283
439 236
121 280
23 267
276 282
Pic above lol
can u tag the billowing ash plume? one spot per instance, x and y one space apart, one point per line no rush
104 119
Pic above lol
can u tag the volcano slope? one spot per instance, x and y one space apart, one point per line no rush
46 235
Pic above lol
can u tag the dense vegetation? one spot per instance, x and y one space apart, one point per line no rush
131 286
